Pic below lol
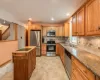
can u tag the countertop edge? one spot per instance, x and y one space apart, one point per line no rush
80 61
32 47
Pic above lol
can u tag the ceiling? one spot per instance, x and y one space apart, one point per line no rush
41 10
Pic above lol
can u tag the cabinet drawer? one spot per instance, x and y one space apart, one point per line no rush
43 53
84 70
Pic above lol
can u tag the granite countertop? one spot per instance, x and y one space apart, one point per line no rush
91 61
25 50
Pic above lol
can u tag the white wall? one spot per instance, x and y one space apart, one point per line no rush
9 17
12 33
21 33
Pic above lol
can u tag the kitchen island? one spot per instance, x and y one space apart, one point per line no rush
24 63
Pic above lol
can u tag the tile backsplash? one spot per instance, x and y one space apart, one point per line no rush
90 41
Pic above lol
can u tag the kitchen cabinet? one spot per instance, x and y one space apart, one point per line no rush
74 25
78 23
57 49
44 31
44 50
81 22
93 17
80 71
77 74
59 31
66 29
60 52
24 63
36 27
97 78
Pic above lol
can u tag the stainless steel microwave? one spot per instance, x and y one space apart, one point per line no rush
51 33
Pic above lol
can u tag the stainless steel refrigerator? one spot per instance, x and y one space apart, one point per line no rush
35 40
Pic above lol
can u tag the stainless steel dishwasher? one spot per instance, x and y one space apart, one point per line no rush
68 63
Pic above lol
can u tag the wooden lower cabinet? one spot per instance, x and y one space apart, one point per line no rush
97 78
80 72
24 64
44 50
57 49
60 52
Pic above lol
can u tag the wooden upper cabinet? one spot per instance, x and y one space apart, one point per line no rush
60 30
80 22
66 29
44 31
36 27
57 31
74 25
92 17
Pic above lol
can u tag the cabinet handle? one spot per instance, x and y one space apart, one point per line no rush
76 32
99 28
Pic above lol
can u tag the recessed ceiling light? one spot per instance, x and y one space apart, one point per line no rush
30 19
4 22
52 19
68 14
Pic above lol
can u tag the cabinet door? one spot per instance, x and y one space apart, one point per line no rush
43 49
66 29
37 27
57 49
76 73
87 73
60 31
80 22
44 31
98 27
57 31
74 25
97 78
92 13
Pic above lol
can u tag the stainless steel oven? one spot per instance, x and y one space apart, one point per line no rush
51 48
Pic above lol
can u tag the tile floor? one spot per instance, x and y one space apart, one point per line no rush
47 68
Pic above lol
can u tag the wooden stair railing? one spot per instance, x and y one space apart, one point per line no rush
6 34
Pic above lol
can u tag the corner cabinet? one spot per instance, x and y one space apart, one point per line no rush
93 17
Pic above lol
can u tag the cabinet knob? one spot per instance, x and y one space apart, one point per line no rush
99 28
